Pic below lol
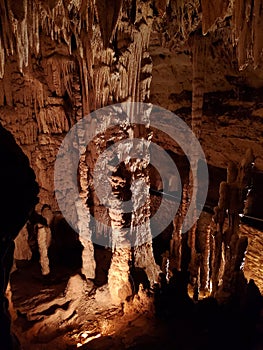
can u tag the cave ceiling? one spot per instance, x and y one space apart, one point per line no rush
62 59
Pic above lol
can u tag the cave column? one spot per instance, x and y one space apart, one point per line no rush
85 234
131 232
143 251
118 276
198 87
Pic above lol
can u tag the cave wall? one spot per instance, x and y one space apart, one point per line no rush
61 60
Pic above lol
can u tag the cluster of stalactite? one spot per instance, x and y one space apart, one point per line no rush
203 251
246 26
80 29
182 18
213 17
68 60
214 253
59 61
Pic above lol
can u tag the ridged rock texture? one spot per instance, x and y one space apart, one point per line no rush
59 61
62 59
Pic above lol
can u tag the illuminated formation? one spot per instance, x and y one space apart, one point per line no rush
78 270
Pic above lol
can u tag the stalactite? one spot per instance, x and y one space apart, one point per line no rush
211 12
55 22
29 135
198 83
6 32
108 14
257 30
248 32
44 240
34 40
52 120
61 71
7 92
2 60
86 103
161 6
182 20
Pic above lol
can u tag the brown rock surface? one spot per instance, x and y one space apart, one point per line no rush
61 60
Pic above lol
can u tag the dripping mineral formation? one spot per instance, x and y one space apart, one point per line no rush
62 288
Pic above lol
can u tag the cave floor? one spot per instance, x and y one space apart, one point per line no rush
66 312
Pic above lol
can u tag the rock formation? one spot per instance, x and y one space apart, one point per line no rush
62 60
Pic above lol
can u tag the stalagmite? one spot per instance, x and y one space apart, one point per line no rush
231 200
22 249
217 240
44 240
204 238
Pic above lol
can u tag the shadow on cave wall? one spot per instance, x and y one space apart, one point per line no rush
18 193
182 324
65 260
